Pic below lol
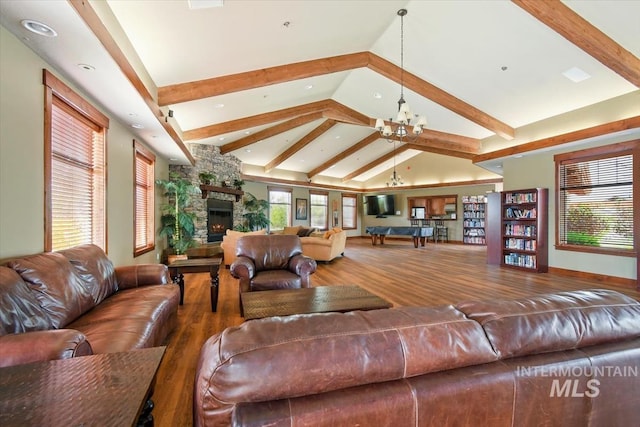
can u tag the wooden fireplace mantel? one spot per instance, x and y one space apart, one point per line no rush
228 190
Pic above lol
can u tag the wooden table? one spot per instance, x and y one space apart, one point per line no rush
284 302
177 269
111 389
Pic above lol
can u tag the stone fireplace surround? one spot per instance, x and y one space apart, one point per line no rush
226 168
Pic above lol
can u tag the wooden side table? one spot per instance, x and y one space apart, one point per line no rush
177 269
111 389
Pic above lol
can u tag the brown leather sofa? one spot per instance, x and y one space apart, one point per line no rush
57 305
564 359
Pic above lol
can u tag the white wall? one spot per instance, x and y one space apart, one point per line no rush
22 162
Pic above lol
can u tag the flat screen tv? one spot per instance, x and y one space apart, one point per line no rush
380 205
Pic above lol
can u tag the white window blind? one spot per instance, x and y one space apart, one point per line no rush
349 211
319 207
144 208
595 202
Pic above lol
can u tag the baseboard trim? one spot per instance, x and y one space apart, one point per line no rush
631 283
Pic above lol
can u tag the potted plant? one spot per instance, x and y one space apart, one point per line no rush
206 178
255 213
176 223
238 183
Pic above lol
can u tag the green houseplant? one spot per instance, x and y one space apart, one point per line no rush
255 214
207 178
176 223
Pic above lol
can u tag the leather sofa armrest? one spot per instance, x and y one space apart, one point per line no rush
133 276
243 268
302 265
41 346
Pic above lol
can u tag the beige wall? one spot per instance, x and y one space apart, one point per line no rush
22 162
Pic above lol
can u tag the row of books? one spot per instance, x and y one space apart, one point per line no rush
520 197
475 240
521 244
520 260
474 232
473 222
520 230
473 214
474 199
474 207
520 213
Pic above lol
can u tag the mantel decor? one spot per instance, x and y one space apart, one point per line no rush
205 189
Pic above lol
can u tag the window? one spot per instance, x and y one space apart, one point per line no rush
319 208
143 200
595 199
75 170
349 211
279 208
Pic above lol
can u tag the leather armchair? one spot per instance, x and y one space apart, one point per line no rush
271 262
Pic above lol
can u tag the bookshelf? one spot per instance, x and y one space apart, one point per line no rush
473 220
523 228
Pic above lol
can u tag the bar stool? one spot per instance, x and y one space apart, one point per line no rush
440 231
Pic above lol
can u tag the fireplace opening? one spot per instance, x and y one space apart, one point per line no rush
219 219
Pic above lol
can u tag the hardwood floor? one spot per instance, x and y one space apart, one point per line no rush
432 275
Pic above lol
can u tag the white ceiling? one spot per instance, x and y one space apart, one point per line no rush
459 46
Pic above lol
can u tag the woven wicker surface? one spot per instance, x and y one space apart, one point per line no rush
99 390
283 302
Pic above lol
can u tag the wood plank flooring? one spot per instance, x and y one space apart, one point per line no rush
432 275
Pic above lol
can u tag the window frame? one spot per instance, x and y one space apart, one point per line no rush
355 210
290 210
56 91
146 156
603 152
325 205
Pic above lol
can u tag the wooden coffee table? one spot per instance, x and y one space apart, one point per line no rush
177 269
111 389
284 302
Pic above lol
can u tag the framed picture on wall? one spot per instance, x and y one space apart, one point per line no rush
301 209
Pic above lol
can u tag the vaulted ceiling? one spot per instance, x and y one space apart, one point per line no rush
293 88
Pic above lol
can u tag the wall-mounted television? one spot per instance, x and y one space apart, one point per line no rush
380 205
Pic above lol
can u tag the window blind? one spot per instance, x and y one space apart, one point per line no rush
77 179
349 211
144 209
596 202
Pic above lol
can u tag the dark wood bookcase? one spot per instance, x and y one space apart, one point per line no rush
520 219
473 222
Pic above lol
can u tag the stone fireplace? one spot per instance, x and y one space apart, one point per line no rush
219 219
227 209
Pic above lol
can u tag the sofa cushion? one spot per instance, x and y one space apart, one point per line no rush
292 230
95 268
59 289
314 353
19 308
305 231
554 322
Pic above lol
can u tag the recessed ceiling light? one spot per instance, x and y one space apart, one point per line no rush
338 136
307 87
87 67
221 138
219 105
576 75
248 150
172 159
377 95
38 28
137 126
247 132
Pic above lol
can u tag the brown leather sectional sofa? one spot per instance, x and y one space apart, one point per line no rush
56 305
564 359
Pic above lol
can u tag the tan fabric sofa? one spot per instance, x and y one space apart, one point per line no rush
229 241
326 247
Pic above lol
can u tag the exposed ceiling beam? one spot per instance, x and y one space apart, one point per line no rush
437 95
583 34
375 163
304 141
346 153
417 145
257 120
190 91
269 132
579 135
93 21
